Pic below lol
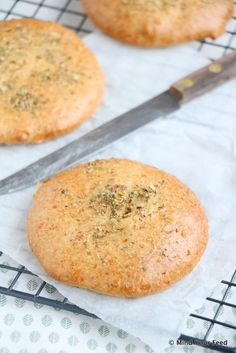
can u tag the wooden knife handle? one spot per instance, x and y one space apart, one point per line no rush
206 79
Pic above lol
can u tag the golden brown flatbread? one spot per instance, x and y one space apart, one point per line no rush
117 227
159 23
49 81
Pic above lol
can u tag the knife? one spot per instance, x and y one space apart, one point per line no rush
166 103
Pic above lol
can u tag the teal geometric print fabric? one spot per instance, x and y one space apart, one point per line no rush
34 328
29 328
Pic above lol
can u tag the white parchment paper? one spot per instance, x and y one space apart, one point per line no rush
197 144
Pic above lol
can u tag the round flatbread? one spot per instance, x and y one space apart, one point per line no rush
117 227
159 23
50 82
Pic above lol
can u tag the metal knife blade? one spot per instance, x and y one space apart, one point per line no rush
94 141
188 88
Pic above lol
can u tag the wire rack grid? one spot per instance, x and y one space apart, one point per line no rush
70 13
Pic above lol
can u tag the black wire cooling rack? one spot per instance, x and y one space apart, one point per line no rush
15 272
213 321
38 297
70 14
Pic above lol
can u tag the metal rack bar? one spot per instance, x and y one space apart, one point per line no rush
63 305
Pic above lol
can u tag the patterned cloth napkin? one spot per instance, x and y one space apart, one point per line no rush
26 327
196 144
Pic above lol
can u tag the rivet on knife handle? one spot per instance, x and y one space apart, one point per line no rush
206 78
